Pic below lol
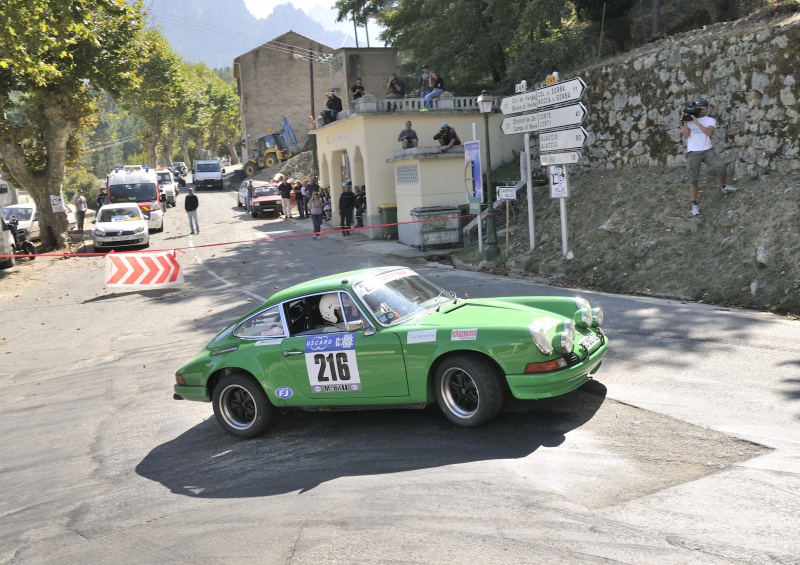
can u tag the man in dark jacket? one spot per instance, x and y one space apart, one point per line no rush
347 202
191 204
332 108
447 137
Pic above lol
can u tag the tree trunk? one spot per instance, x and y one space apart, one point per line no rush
656 28
185 148
43 184
152 146
234 155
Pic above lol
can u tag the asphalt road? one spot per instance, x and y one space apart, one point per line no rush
684 450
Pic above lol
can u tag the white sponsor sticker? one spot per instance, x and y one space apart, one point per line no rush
422 336
464 335
331 363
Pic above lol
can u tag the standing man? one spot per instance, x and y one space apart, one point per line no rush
347 202
306 198
285 190
191 203
698 127
297 187
249 203
312 187
408 137
80 208
425 82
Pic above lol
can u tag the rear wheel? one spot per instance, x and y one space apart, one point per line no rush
468 390
242 407
29 248
270 160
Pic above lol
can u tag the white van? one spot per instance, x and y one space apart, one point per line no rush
207 172
138 184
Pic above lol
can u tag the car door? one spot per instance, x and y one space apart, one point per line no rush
340 365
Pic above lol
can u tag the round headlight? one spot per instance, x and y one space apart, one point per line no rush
581 303
597 315
583 318
562 343
539 337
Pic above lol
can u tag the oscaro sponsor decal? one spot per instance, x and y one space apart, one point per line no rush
464 335
422 336
318 343
284 392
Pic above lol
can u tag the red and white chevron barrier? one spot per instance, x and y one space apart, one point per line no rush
143 270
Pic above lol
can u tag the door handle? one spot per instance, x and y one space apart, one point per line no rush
292 352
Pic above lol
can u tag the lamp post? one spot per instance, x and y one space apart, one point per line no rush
485 103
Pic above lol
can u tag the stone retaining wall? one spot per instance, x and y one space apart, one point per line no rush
748 70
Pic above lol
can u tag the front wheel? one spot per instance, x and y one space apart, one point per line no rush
468 390
242 407
255 213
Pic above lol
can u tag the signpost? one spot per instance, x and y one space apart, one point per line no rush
507 193
555 110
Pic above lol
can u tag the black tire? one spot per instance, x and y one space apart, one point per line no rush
255 213
468 390
8 262
242 407
270 160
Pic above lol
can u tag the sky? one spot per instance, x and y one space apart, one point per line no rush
322 11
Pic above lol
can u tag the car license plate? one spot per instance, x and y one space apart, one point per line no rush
590 341
122 238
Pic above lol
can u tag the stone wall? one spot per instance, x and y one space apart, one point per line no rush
748 70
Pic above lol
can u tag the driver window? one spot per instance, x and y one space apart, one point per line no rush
267 323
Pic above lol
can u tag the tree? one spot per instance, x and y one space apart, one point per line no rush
155 97
55 58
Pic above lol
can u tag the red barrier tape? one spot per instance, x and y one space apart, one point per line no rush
261 239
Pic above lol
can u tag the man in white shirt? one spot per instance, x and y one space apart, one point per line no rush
697 131
80 208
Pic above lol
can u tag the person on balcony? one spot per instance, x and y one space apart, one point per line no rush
395 89
408 137
438 88
447 137
332 108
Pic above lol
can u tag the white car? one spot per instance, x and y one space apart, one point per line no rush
6 245
120 225
26 213
168 185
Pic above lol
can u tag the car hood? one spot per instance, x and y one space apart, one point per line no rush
120 226
481 312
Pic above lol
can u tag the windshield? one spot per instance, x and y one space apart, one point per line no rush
265 191
24 214
164 178
119 215
137 192
208 167
398 295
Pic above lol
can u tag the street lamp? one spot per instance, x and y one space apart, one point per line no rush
485 103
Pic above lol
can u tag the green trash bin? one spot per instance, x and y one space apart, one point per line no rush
389 216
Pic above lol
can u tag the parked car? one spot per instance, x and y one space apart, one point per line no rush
207 172
6 245
27 214
120 225
387 337
139 184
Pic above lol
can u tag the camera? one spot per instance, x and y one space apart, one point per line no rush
692 109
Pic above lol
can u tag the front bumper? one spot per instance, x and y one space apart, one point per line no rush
118 240
186 392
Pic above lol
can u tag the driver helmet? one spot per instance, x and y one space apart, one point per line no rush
328 305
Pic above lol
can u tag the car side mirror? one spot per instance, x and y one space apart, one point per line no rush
354 326
223 171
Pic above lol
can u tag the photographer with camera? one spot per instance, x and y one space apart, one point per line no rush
396 89
698 127
447 137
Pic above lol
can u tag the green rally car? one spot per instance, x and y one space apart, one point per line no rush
389 337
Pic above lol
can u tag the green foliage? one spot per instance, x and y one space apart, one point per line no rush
81 179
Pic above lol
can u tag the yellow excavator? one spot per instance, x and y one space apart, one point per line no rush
273 148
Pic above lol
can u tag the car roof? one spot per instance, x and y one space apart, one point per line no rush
340 281
22 205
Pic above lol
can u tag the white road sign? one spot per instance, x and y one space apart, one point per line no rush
506 192
573 138
520 124
519 103
547 119
559 117
563 158
559 93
